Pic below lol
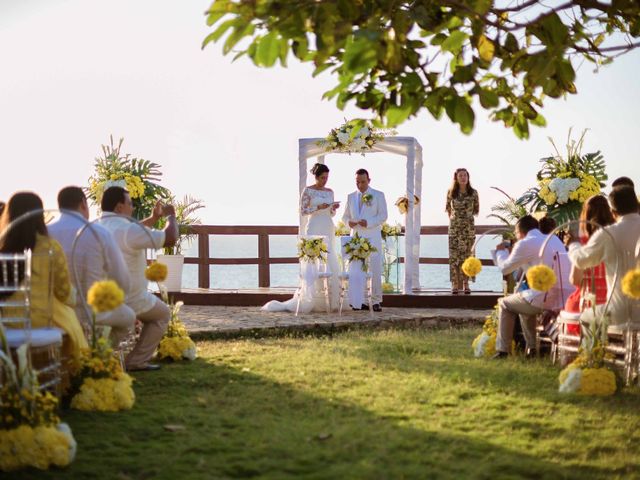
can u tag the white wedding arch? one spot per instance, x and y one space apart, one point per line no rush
407 147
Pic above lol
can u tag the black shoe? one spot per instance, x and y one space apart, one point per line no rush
499 355
531 354
364 307
149 367
377 307
356 309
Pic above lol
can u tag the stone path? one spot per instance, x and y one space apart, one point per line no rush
227 322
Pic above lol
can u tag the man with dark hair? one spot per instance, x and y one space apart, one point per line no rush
528 303
622 182
96 257
134 239
615 245
365 213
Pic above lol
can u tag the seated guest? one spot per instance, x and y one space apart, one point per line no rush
615 245
133 239
547 225
622 182
595 213
96 257
528 303
48 262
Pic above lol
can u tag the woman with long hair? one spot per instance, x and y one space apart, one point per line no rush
462 205
48 262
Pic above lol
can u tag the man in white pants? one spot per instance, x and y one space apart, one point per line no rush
365 213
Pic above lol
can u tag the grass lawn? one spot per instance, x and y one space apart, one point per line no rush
366 404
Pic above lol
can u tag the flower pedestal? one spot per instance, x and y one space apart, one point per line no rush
175 265
391 265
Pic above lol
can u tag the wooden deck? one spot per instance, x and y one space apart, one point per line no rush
260 296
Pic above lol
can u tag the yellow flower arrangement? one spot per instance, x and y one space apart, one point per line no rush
403 204
311 249
105 394
359 248
176 343
39 447
156 272
545 193
589 186
104 296
471 267
342 230
631 284
541 278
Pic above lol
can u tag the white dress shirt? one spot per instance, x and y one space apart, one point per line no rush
94 259
133 239
526 254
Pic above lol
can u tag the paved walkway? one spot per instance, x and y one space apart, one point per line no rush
222 322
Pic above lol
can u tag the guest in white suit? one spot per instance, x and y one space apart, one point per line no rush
365 213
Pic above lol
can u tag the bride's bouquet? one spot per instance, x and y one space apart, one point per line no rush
312 249
359 248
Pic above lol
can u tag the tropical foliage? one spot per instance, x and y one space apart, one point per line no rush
396 58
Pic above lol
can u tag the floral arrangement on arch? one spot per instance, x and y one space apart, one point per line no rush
31 434
342 230
100 384
353 136
139 177
564 184
312 249
359 249
388 231
403 204
588 374
175 343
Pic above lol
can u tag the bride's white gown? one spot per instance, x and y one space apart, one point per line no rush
314 222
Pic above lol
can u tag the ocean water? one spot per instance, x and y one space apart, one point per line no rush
246 276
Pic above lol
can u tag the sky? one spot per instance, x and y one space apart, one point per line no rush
75 72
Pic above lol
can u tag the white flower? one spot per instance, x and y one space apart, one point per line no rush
114 183
73 446
364 132
479 350
572 383
343 137
562 187
359 143
190 353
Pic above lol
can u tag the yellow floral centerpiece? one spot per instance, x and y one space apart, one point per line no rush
359 249
312 249
101 384
587 374
139 177
31 434
565 183
353 136
471 267
176 343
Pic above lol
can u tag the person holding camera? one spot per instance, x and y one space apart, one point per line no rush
526 304
133 239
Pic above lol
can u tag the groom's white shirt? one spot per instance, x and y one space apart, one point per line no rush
375 213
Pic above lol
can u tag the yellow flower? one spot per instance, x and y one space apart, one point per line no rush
471 267
105 394
176 348
631 284
541 278
156 272
597 381
105 296
38 447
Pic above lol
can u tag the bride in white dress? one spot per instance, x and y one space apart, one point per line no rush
317 208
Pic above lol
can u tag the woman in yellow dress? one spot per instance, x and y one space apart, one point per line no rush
51 291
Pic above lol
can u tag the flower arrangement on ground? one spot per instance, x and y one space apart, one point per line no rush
541 277
100 383
390 234
564 184
31 434
138 176
353 136
312 249
359 249
587 374
484 345
403 204
471 267
342 230
175 343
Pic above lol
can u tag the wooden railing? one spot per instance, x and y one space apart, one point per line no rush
264 260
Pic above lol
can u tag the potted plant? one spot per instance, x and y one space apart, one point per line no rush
172 257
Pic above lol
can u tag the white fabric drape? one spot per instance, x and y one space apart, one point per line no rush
407 147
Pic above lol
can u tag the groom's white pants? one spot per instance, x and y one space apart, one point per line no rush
375 263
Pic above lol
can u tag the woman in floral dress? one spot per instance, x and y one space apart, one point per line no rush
462 205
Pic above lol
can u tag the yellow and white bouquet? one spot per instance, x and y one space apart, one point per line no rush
31 434
312 249
588 374
176 343
403 204
359 248
390 230
353 136
100 384
139 177
342 230
564 184
484 345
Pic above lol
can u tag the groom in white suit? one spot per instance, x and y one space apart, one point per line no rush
365 213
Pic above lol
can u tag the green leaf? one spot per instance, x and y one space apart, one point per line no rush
268 50
398 114
454 42
461 113
486 48
236 36
539 121
218 32
488 99
360 55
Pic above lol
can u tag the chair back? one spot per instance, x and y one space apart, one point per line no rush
15 305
